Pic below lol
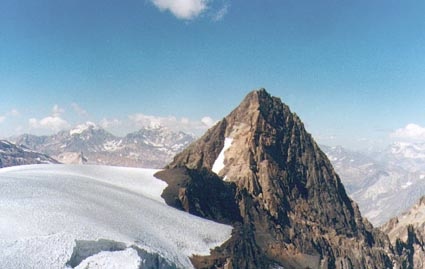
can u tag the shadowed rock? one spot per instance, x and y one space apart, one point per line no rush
294 211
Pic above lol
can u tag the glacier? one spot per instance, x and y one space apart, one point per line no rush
46 210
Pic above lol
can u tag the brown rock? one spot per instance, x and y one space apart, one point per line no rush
294 210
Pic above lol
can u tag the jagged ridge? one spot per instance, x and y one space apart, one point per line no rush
11 155
295 211
148 147
407 234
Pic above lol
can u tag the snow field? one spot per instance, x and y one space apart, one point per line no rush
44 209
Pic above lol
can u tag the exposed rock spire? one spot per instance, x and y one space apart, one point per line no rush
295 211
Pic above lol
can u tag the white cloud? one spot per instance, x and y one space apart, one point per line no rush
411 131
14 112
185 121
221 13
182 9
142 120
207 121
79 110
109 123
53 123
183 124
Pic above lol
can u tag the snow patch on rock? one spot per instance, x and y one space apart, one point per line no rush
219 162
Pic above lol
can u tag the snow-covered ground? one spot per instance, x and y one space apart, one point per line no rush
48 213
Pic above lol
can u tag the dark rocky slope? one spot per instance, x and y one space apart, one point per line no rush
292 210
12 155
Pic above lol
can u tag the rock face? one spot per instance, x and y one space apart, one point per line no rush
293 210
88 143
407 233
12 155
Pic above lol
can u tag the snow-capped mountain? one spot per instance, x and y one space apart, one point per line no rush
384 184
357 170
410 156
89 143
12 155
83 216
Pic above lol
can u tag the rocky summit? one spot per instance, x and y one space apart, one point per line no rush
261 171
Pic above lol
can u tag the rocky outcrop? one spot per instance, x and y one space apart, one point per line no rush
201 193
12 155
72 158
407 233
294 211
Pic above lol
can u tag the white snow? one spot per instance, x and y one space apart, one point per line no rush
79 129
219 162
113 145
45 208
69 157
408 150
127 259
422 176
406 185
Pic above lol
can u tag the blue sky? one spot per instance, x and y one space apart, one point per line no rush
354 71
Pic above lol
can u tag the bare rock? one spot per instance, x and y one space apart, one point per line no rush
295 211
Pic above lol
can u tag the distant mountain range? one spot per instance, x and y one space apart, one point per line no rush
12 155
385 183
88 143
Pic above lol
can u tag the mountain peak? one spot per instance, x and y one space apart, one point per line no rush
79 129
255 101
257 96
286 188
